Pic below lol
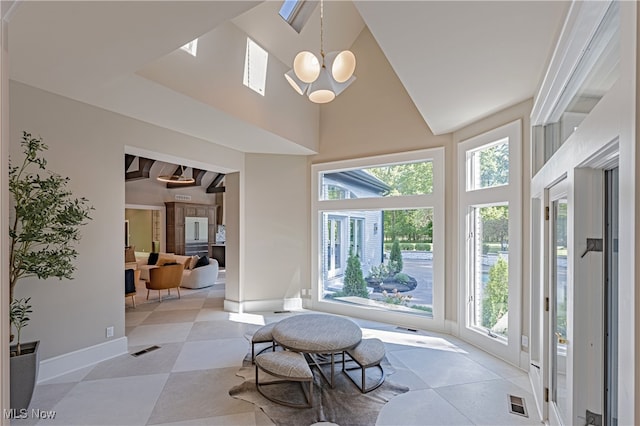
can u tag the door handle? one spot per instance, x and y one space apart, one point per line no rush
562 340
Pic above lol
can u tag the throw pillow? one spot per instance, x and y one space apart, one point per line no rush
203 261
165 258
153 258
186 263
193 261
130 254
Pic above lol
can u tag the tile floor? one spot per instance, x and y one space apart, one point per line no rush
187 380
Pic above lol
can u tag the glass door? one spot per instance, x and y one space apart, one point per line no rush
560 323
334 238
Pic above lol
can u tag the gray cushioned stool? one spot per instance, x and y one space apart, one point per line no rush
368 353
263 335
288 366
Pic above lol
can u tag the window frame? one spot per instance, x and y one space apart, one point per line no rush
468 198
261 88
434 200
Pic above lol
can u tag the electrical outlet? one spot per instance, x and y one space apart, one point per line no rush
109 332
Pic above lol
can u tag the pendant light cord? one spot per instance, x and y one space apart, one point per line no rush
322 31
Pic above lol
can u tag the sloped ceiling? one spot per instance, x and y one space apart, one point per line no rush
461 61
458 60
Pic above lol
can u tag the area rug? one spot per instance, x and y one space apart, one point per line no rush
343 405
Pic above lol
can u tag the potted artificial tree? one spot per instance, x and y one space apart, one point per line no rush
44 226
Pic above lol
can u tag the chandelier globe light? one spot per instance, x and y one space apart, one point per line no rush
297 84
306 66
322 91
342 65
322 80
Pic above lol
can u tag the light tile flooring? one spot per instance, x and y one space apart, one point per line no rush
187 380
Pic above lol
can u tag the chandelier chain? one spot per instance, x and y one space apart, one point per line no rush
322 31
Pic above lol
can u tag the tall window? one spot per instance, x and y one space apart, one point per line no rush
380 234
489 205
255 67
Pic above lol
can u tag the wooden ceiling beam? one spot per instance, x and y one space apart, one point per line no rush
144 166
213 187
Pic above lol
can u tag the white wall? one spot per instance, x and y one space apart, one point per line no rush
4 205
375 115
88 145
69 315
275 237
280 111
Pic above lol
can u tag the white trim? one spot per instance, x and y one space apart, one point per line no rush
534 378
508 350
66 363
581 24
287 304
435 200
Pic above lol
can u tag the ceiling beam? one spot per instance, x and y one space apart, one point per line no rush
144 165
213 187
128 160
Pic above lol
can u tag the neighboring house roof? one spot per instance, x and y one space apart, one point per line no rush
361 179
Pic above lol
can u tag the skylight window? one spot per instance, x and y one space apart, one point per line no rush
297 12
255 67
191 47
288 9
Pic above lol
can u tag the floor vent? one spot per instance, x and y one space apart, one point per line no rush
281 312
517 406
407 329
147 350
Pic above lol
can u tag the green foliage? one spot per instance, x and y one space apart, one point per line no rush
19 317
406 179
496 294
396 298
495 225
494 166
379 273
485 248
409 225
402 278
45 220
395 258
354 283
427 309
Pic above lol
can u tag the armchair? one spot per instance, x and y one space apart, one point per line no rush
130 279
165 278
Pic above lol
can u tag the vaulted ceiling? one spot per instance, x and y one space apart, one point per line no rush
459 61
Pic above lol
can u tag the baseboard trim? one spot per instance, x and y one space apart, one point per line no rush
66 363
294 303
451 327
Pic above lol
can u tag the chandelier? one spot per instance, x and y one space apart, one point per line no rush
176 178
322 80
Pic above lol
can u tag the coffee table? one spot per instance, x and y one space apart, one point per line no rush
315 334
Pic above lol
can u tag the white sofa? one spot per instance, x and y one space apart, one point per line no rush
203 276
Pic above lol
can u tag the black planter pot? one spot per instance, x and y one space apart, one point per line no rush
24 373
